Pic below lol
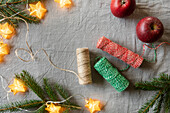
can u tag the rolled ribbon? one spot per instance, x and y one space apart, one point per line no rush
84 67
111 74
120 52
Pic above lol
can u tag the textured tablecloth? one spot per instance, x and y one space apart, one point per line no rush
64 30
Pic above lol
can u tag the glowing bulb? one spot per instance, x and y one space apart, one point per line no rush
64 3
4 49
93 105
37 10
54 108
1 58
7 31
17 86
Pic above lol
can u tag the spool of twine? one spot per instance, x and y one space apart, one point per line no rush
111 74
84 67
120 52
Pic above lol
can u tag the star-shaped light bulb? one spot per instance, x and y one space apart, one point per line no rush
93 105
4 49
17 86
7 31
1 58
37 10
64 3
51 108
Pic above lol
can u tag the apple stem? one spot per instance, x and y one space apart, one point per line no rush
123 2
153 26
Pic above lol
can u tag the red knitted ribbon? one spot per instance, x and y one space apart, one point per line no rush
144 45
120 52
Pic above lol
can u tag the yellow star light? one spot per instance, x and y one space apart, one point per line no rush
93 105
4 49
37 10
66 3
7 31
54 109
1 58
17 86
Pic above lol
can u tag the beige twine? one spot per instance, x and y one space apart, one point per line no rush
29 51
83 64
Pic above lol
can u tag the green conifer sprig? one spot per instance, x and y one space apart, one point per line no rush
160 98
49 90
65 95
167 102
66 111
17 2
62 92
24 105
41 109
157 108
30 82
11 7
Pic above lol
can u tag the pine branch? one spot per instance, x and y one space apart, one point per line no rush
158 80
22 14
23 105
32 84
65 95
29 81
145 108
167 102
8 9
148 86
9 2
162 98
164 78
157 109
6 13
10 21
73 107
66 111
41 109
18 2
49 90
62 92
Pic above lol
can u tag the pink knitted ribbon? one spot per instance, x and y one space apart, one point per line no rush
120 52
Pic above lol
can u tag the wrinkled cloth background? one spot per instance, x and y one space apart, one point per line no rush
63 30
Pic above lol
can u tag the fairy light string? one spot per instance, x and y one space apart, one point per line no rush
7 95
59 102
29 51
46 103
32 55
92 104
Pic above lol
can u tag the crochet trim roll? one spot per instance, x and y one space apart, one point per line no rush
111 74
120 52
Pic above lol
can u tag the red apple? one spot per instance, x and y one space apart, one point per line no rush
149 29
122 8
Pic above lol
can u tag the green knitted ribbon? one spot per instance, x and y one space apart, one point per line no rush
111 74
